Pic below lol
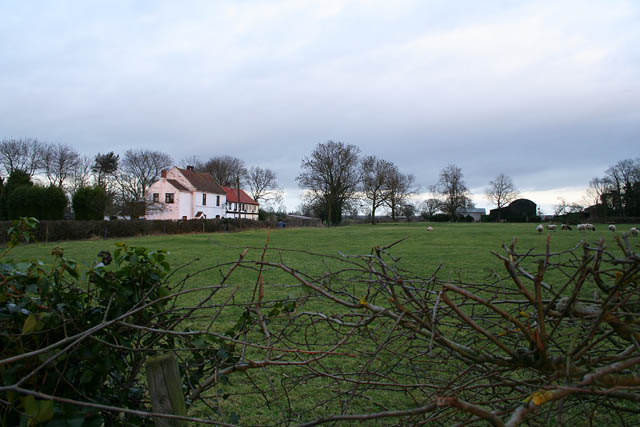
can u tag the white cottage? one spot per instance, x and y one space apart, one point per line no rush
185 194
240 204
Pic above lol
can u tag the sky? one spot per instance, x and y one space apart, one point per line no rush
545 92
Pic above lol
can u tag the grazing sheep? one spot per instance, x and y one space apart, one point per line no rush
612 227
581 227
590 227
429 228
539 228
565 227
551 227
634 231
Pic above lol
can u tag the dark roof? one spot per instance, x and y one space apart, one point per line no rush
202 181
232 196
176 184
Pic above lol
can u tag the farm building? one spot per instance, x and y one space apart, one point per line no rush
520 210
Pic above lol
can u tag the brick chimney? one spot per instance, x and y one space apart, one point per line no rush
163 174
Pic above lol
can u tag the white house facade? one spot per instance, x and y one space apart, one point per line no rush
185 194
240 207
475 213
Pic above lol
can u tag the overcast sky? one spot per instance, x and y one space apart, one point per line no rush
546 92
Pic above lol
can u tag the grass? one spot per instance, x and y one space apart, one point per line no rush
462 251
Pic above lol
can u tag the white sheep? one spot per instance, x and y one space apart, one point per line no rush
634 231
581 227
429 228
565 227
539 228
612 227
590 227
551 227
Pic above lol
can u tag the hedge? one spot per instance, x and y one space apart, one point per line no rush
80 230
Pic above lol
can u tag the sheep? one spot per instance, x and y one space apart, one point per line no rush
584 227
634 231
565 227
540 228
429 228
612 227
551 227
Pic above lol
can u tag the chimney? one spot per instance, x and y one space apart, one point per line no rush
163 174
189 168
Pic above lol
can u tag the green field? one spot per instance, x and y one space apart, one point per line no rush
462 251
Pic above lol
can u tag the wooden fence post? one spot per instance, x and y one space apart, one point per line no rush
165 388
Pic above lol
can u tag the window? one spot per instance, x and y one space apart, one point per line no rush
156 197
204 199
217 200
168 197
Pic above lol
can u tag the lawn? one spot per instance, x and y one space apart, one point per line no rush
462 251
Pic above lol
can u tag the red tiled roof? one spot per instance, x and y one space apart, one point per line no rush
202 181
177 185
232 196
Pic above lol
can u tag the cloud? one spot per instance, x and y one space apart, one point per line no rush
544 91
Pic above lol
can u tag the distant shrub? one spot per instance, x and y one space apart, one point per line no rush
89 203
440 218
35 201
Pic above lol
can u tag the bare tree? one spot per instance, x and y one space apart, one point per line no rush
430 207
21 154
452 188
399 188
226 170
138 170
501 192
59 162
564 208
81 175
262 185
376 176
331 177
596 189
192 161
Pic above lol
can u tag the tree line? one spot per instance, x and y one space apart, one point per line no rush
337 179
617 193
104 184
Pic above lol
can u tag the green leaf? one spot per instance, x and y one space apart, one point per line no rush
45 412
163 291
30 324
31 407
86 377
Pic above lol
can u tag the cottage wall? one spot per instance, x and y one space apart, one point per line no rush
163 210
